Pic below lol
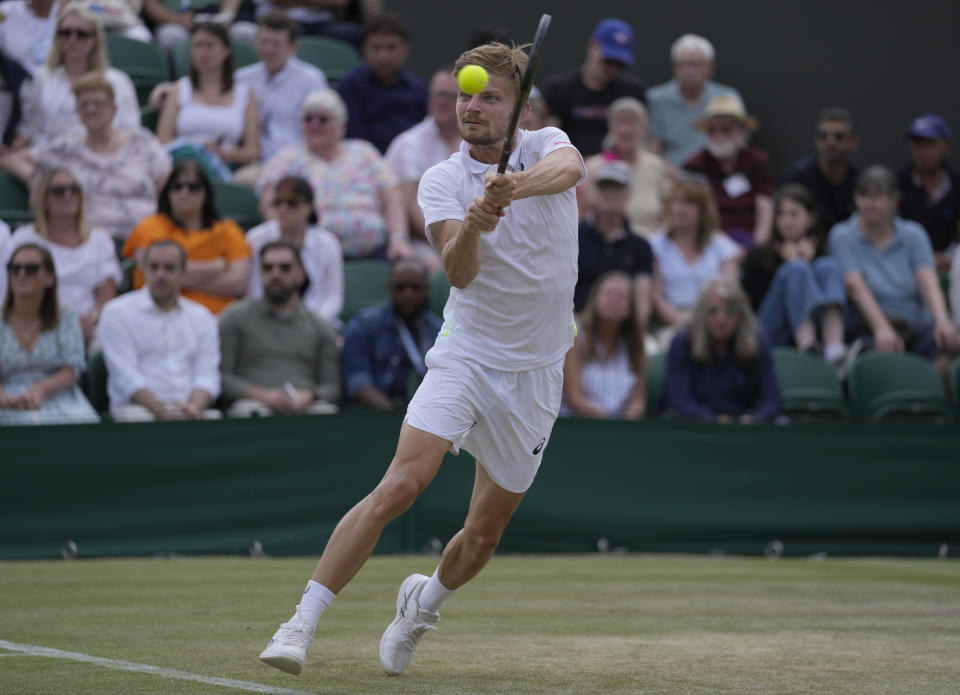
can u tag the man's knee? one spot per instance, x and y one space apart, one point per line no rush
481 539
395 493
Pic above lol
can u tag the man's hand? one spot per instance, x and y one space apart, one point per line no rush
482 216
398 248
169 411
304 400
499 189
945 335
886 339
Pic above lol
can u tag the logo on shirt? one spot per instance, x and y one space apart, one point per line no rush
520 166
539 447
562 142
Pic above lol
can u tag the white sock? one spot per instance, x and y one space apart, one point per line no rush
833 351
433 594
316 599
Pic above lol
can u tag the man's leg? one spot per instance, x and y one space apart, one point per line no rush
415 463
420 597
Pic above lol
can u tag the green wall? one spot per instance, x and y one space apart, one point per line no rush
215 487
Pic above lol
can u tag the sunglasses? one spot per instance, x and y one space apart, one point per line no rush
286 202
717 310
282 267
64 191
318 118
74 33
837 135
192 186
29 269
92 104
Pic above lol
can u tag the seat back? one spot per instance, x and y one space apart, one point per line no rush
334 56
889 385
656 375
96 382
14 201
143 62
809 388
364 285
237 203
955 385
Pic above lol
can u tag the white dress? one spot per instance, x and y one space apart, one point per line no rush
202 123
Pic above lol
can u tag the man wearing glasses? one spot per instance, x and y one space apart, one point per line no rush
278 357
830 173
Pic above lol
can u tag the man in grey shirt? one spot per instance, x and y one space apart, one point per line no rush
276 355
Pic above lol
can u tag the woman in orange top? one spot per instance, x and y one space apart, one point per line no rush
218 257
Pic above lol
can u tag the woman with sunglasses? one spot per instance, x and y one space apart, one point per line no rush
218 257
48 103
720 367
604 374
295 221
85 258
208 109
41 347
354 191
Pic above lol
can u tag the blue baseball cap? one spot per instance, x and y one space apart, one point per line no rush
615 38
929 126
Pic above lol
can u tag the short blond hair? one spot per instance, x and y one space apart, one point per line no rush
326 100
94 82
497 59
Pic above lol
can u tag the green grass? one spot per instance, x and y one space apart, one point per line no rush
545 624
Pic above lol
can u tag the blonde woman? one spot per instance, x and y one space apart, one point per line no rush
720 367
85 258
627 129
48 102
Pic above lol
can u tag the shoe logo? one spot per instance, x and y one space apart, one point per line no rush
539 447
403 607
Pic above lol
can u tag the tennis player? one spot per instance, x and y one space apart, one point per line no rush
495 373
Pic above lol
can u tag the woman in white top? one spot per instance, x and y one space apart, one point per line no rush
208 108
49 106
296 222
85 259
689 250
604 375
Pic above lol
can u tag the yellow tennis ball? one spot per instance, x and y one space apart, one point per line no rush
472 79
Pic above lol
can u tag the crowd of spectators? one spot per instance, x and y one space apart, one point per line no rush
688 247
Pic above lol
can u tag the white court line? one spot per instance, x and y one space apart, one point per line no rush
32 650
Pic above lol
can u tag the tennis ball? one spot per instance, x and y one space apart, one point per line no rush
472 79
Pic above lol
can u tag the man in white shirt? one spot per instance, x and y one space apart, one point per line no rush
417 149
162 351
495 374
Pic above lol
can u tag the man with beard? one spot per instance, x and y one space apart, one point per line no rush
276 355
495 374
738 174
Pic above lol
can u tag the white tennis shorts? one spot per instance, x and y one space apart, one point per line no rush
503 419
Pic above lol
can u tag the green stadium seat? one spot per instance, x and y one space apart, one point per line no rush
656 375
334 56
243 54
14 201
955 384
809 387
96 382
439 291
364 285
237 203
143 62
887 386
149 118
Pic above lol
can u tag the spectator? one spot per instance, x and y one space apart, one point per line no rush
354 191
738 173
384 346
12 77
414 151
690 250
338 19
604 375
121 170
830 173
278 357
318 250
538 115
208 110
579 98
218 266
792 284
929 187
720 368
628 125
117 16
896 302
26 32
606 242
6 249
172 26
85 258
383 97
48 103
41 347
162 350
676 105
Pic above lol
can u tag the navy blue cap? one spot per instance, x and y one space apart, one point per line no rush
929 126
616 40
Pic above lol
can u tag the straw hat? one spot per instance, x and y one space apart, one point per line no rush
727 106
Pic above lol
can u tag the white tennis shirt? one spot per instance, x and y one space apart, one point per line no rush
517 314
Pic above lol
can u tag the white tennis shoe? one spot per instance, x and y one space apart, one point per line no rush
287 649
401 637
